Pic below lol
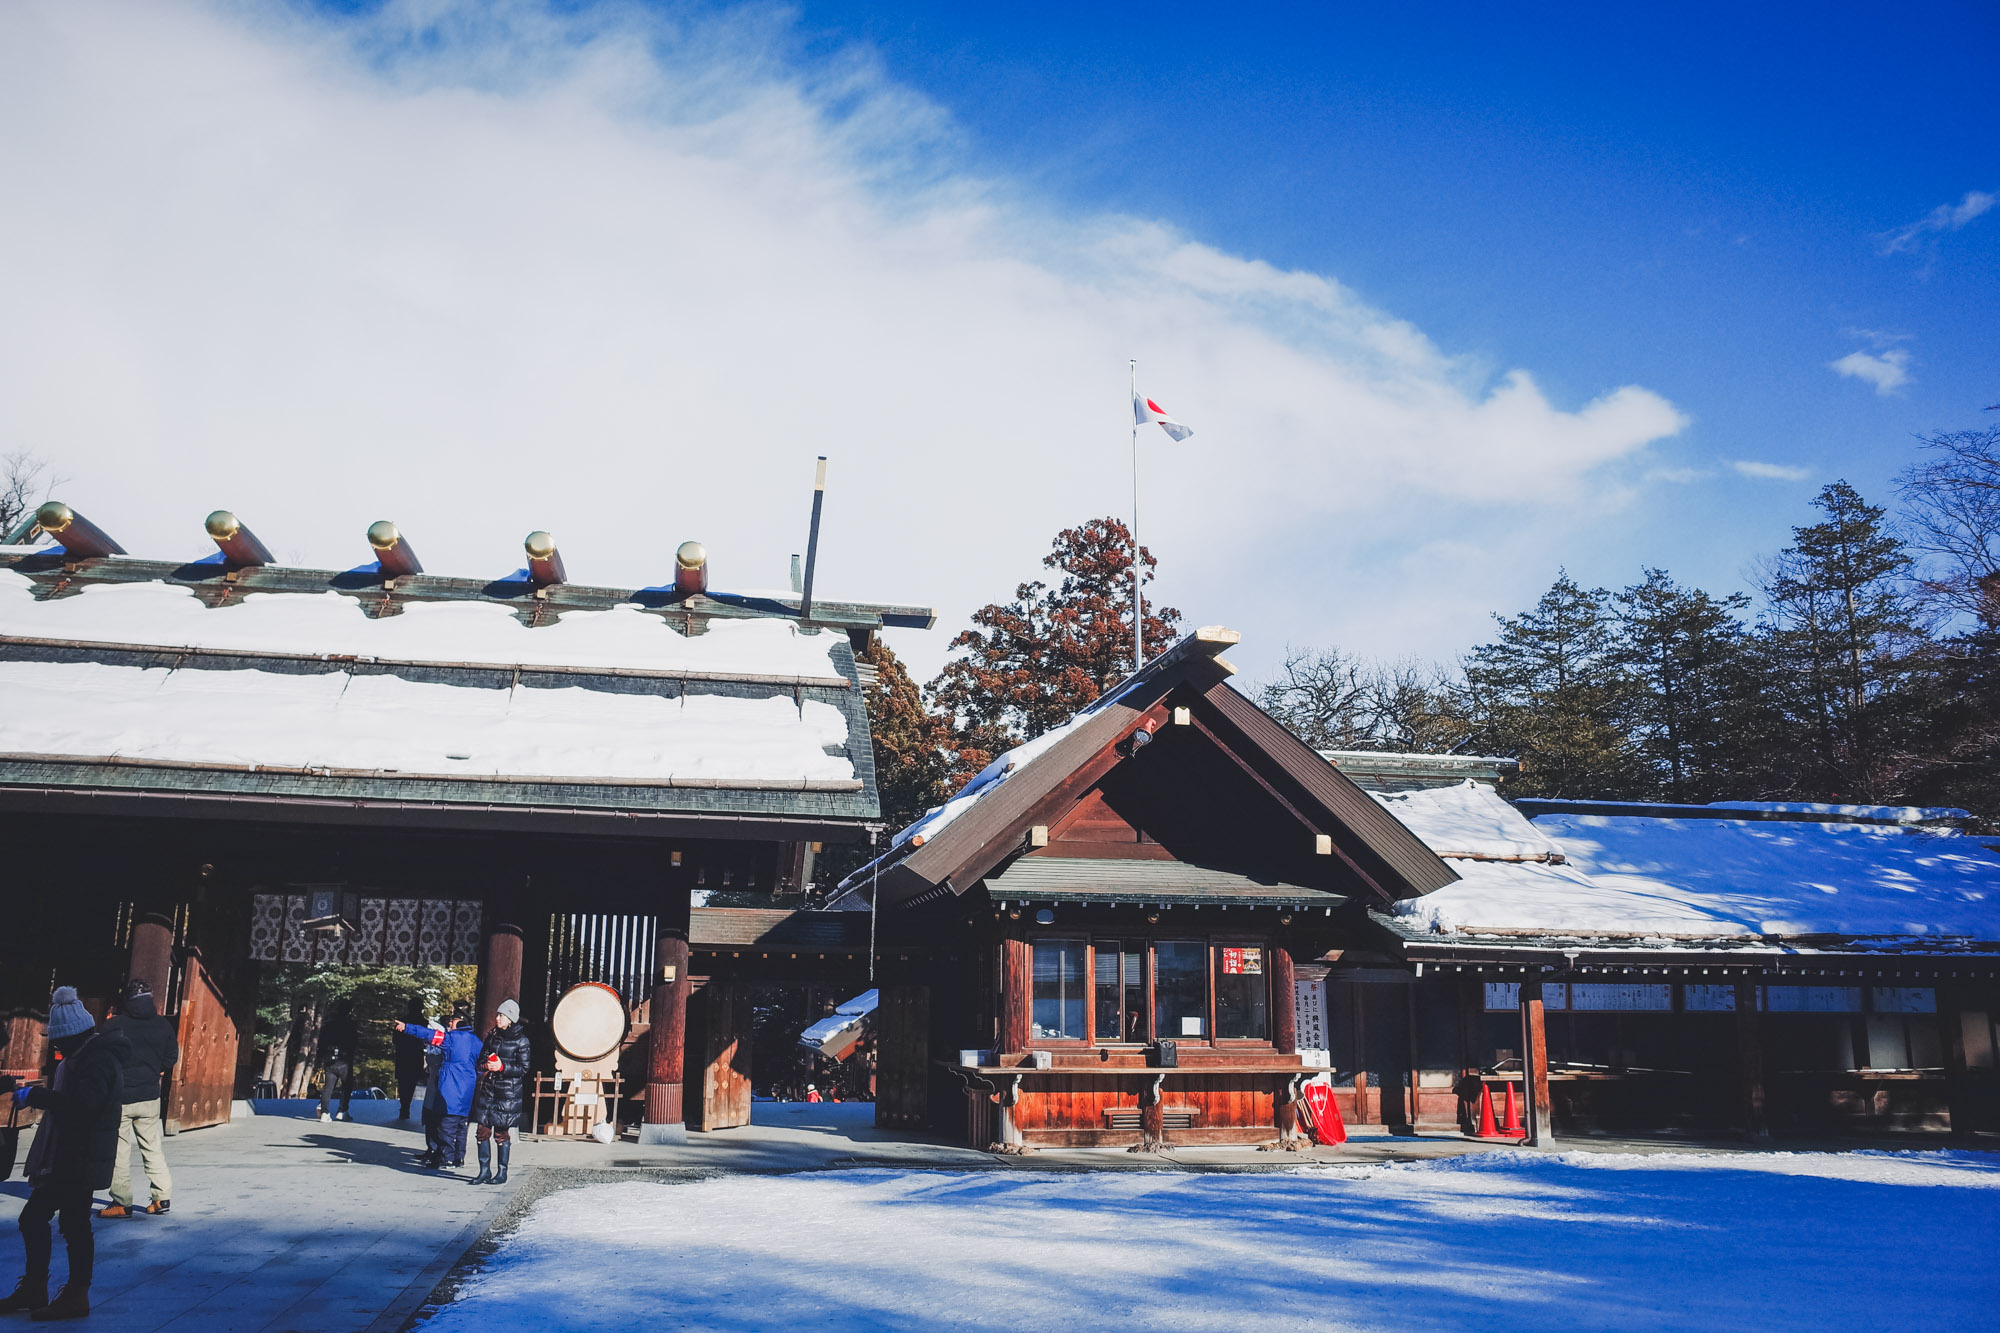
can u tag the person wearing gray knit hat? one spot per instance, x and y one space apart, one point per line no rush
71 1156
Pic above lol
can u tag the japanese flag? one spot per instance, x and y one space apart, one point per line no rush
1145 409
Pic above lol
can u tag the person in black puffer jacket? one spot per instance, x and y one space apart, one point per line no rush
503 1076
71 1155
155 1051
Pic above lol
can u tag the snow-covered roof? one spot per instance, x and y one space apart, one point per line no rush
298 688
1468 821
333 624
1878 814
836 1034
389 724
1633 876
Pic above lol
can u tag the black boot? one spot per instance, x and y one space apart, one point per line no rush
500 1176
72 1302
31 1293
485 1176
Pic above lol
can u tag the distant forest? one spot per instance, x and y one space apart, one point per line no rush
1867 670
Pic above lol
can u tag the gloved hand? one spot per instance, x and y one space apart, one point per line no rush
492 1064
21 1095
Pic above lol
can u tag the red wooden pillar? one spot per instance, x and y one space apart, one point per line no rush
1285 1035
1535 1065
667 1064
1016 996
1750 1061
1284 1003
152 958
499 972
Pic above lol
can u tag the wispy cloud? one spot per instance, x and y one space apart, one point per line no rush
1678 476
1888 371
617 275
1916 236
1770 471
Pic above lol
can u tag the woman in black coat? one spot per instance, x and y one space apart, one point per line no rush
503 1078
72 1155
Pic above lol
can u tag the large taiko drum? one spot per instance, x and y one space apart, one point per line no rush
590 1022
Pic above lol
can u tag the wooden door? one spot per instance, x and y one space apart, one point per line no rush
902 1066
719 1017
205 1079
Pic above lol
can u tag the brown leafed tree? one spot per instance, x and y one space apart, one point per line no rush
1028 665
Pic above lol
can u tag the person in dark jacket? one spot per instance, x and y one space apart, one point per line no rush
155 1051
71 1155
496 1108
457 1080
410 1061
338 1043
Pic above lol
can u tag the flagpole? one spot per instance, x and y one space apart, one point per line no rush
1138 598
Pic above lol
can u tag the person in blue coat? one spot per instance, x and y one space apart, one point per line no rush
457 1079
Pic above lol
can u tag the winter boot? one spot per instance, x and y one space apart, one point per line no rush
485 1176
30 1293
500 1176
72 1302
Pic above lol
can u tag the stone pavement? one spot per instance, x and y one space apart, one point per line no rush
283 1224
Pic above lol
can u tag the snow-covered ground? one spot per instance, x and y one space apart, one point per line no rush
1501 1240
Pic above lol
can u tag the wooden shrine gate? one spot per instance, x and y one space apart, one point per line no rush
205 1080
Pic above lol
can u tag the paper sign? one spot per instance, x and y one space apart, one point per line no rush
1310 1009
1190 1027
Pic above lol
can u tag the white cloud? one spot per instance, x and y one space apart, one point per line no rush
1770 471
483 269
1944 218
1888 371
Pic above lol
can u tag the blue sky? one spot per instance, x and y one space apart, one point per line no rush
1695 198
1450 300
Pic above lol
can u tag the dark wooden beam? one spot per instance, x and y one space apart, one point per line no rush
499 972
1750 1060
666 1068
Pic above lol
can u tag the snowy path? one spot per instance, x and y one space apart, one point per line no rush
1581 1240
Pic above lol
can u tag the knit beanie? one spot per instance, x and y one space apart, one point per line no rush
67 1016
510 1011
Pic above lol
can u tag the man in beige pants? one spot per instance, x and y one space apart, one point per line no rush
155 1050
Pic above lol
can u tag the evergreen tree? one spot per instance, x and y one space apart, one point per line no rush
1686 656
1836 638
914 748
1551 691
1029 664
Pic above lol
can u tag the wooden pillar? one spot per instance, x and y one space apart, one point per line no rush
667 1062
1016 996
152 959
1951 1035
1750 1061
1535 1066
1360 1034
1284 1003
499 972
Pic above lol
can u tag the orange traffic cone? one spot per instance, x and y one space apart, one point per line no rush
1512 1129
1487 1129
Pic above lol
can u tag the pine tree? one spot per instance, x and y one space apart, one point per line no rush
914 746
1550 690
1686 655
1836 636
1030 664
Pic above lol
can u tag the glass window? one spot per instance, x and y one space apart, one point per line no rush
1121 993
1059 990
1621 995
1904 1000
1813 1000
1241 991
1180 990
1705 997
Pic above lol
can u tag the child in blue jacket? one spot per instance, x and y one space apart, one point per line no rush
457 1078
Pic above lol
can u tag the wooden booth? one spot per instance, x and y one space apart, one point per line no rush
1098 940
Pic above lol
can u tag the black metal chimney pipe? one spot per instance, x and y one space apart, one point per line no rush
812 541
